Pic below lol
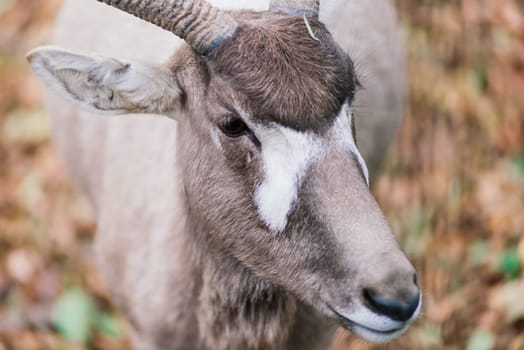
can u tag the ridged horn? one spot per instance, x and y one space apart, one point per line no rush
201 25
309 8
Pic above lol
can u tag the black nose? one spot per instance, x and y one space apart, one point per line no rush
398 310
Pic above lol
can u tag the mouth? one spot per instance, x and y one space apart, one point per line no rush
368 333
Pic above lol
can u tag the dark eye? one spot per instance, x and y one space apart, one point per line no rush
233 127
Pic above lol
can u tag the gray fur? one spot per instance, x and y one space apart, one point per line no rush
192 273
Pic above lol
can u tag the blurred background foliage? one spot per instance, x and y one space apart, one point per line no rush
453 188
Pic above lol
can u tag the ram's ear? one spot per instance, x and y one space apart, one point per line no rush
107 85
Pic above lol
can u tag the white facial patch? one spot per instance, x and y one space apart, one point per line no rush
286 154
344 137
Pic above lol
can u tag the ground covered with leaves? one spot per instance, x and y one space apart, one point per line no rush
453 188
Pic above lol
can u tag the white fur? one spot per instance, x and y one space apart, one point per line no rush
286 154
368 324
344 137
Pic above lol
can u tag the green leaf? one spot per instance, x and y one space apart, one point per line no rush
109 326
6 5
517 165
478 252
74 314
478 79
25 126
481 340
510 264
430 335
416 225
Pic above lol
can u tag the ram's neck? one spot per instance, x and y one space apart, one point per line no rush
237 310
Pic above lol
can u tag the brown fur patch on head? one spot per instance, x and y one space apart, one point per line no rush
286 75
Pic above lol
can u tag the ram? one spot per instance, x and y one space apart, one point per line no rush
232 201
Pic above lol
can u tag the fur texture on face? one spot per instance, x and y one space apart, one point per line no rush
295 84
286 75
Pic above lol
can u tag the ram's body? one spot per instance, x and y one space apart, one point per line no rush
367 29
127 167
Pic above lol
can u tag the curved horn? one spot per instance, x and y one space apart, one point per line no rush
201 25
309 8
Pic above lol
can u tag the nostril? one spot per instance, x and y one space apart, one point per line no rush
415 279
397 310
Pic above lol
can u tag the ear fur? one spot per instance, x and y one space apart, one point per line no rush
107 85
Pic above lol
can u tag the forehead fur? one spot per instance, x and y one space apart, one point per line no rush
286 75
